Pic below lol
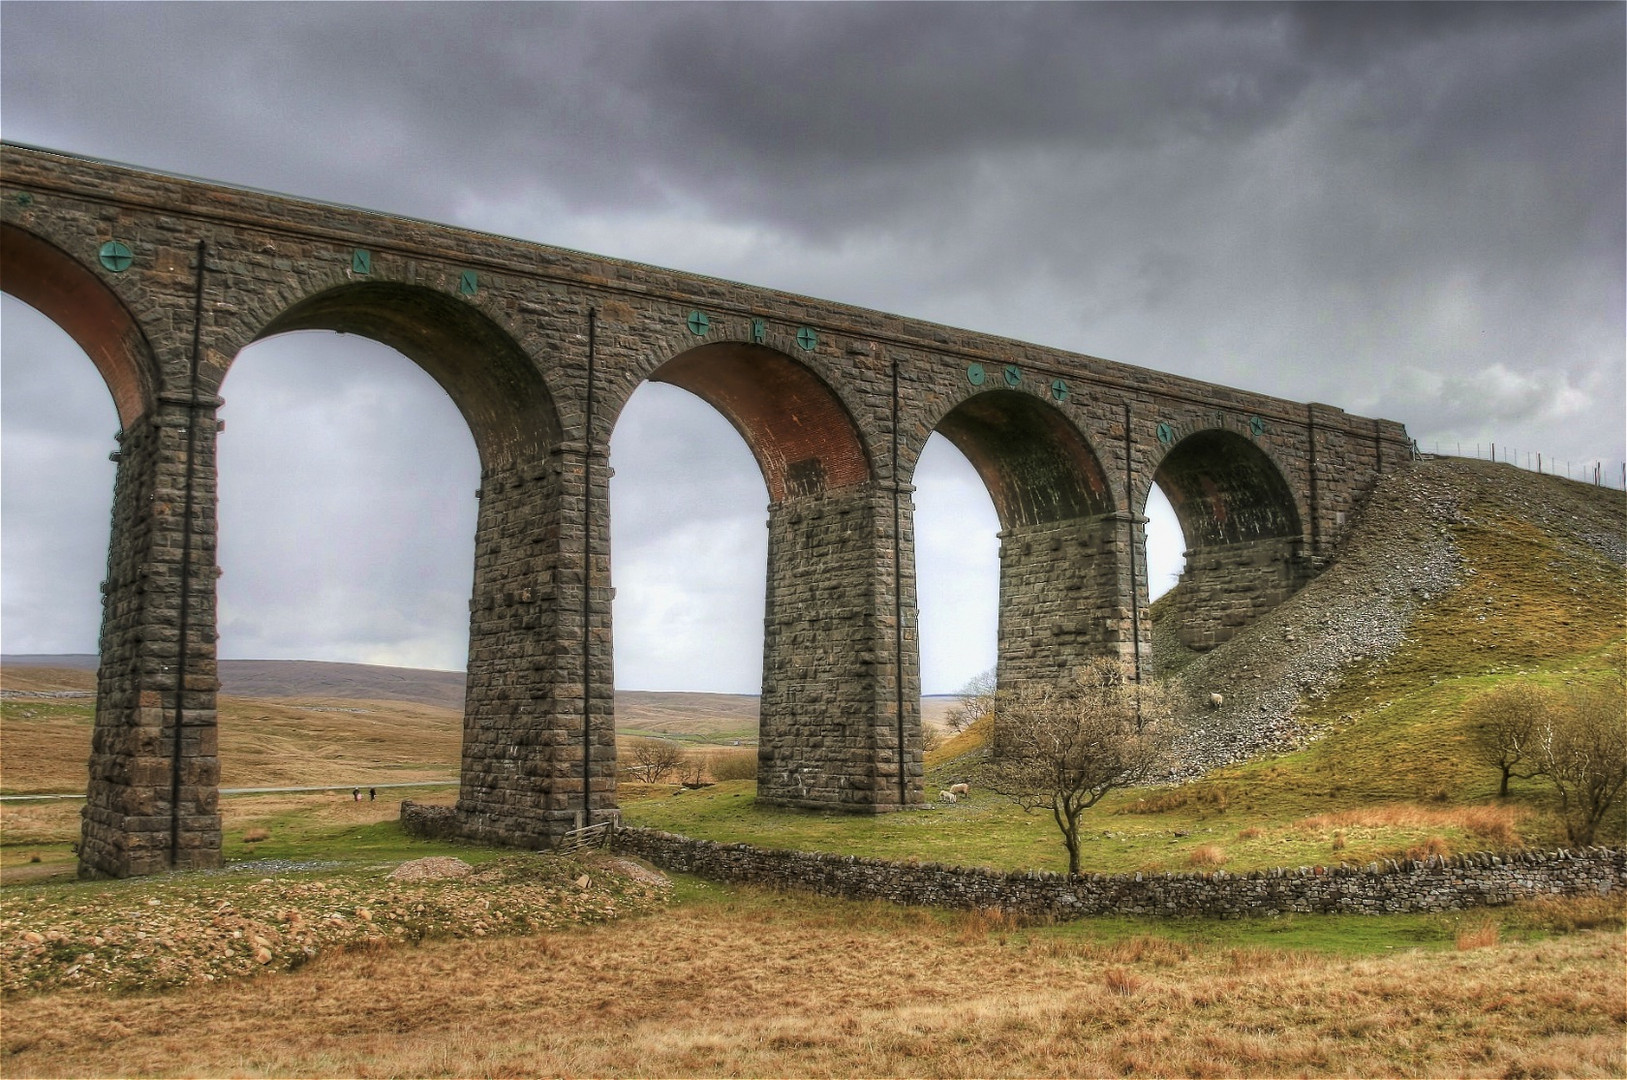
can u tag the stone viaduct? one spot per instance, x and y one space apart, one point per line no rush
162 280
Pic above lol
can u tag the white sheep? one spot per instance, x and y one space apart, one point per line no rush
947 796
964 790
1216 701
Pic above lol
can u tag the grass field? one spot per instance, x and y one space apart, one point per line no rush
744 982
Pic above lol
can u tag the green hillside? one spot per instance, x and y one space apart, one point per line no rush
1369 755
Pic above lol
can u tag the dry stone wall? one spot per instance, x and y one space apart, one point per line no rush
1435 884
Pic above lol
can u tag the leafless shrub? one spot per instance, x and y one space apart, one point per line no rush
976 701
1506 722
1062 748
1584 755
654 759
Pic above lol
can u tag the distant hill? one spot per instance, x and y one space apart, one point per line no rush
302 679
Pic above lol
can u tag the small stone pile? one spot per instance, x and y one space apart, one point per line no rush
198 928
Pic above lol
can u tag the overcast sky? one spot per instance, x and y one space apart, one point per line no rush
1413 212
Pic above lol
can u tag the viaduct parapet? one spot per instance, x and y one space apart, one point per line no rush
162 280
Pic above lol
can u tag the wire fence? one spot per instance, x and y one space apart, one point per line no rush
1600 472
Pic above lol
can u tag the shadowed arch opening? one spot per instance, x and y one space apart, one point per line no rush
493 383
801 435
61 288
1065 573
1226 490
1242 530
1036 465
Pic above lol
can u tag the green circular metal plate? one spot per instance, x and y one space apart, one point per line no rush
698 323
1014 376
974 374
1256 425
807 339
116 257
1166 434
1059 390
468 283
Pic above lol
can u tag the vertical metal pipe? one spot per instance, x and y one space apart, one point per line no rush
184 623
587 582
898 598
1130 521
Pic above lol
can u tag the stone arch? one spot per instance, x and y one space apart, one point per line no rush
839 721
1066 586
1242 526
529 754
1226 489
494 384
801 433
1036 464
74 297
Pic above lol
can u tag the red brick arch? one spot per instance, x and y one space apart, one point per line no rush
71 295
802 436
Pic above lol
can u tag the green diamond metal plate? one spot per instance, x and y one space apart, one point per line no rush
361 261
698 323
115 256
468 283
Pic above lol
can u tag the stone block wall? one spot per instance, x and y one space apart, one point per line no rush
1065 597
147 809
1435 884
1223 589
832 733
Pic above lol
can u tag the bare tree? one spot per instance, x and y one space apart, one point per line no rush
1062 749
976 701
655 759
1584 755
1507 721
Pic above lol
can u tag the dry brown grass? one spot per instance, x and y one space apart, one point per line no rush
1207 855
1479 934
1496 824
799 987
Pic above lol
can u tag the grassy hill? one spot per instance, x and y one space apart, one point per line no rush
1344 734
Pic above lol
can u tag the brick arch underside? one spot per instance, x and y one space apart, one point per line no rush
1225 490
802 436
494 384
52 282
1036 465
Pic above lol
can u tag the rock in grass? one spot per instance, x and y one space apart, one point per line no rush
431 869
